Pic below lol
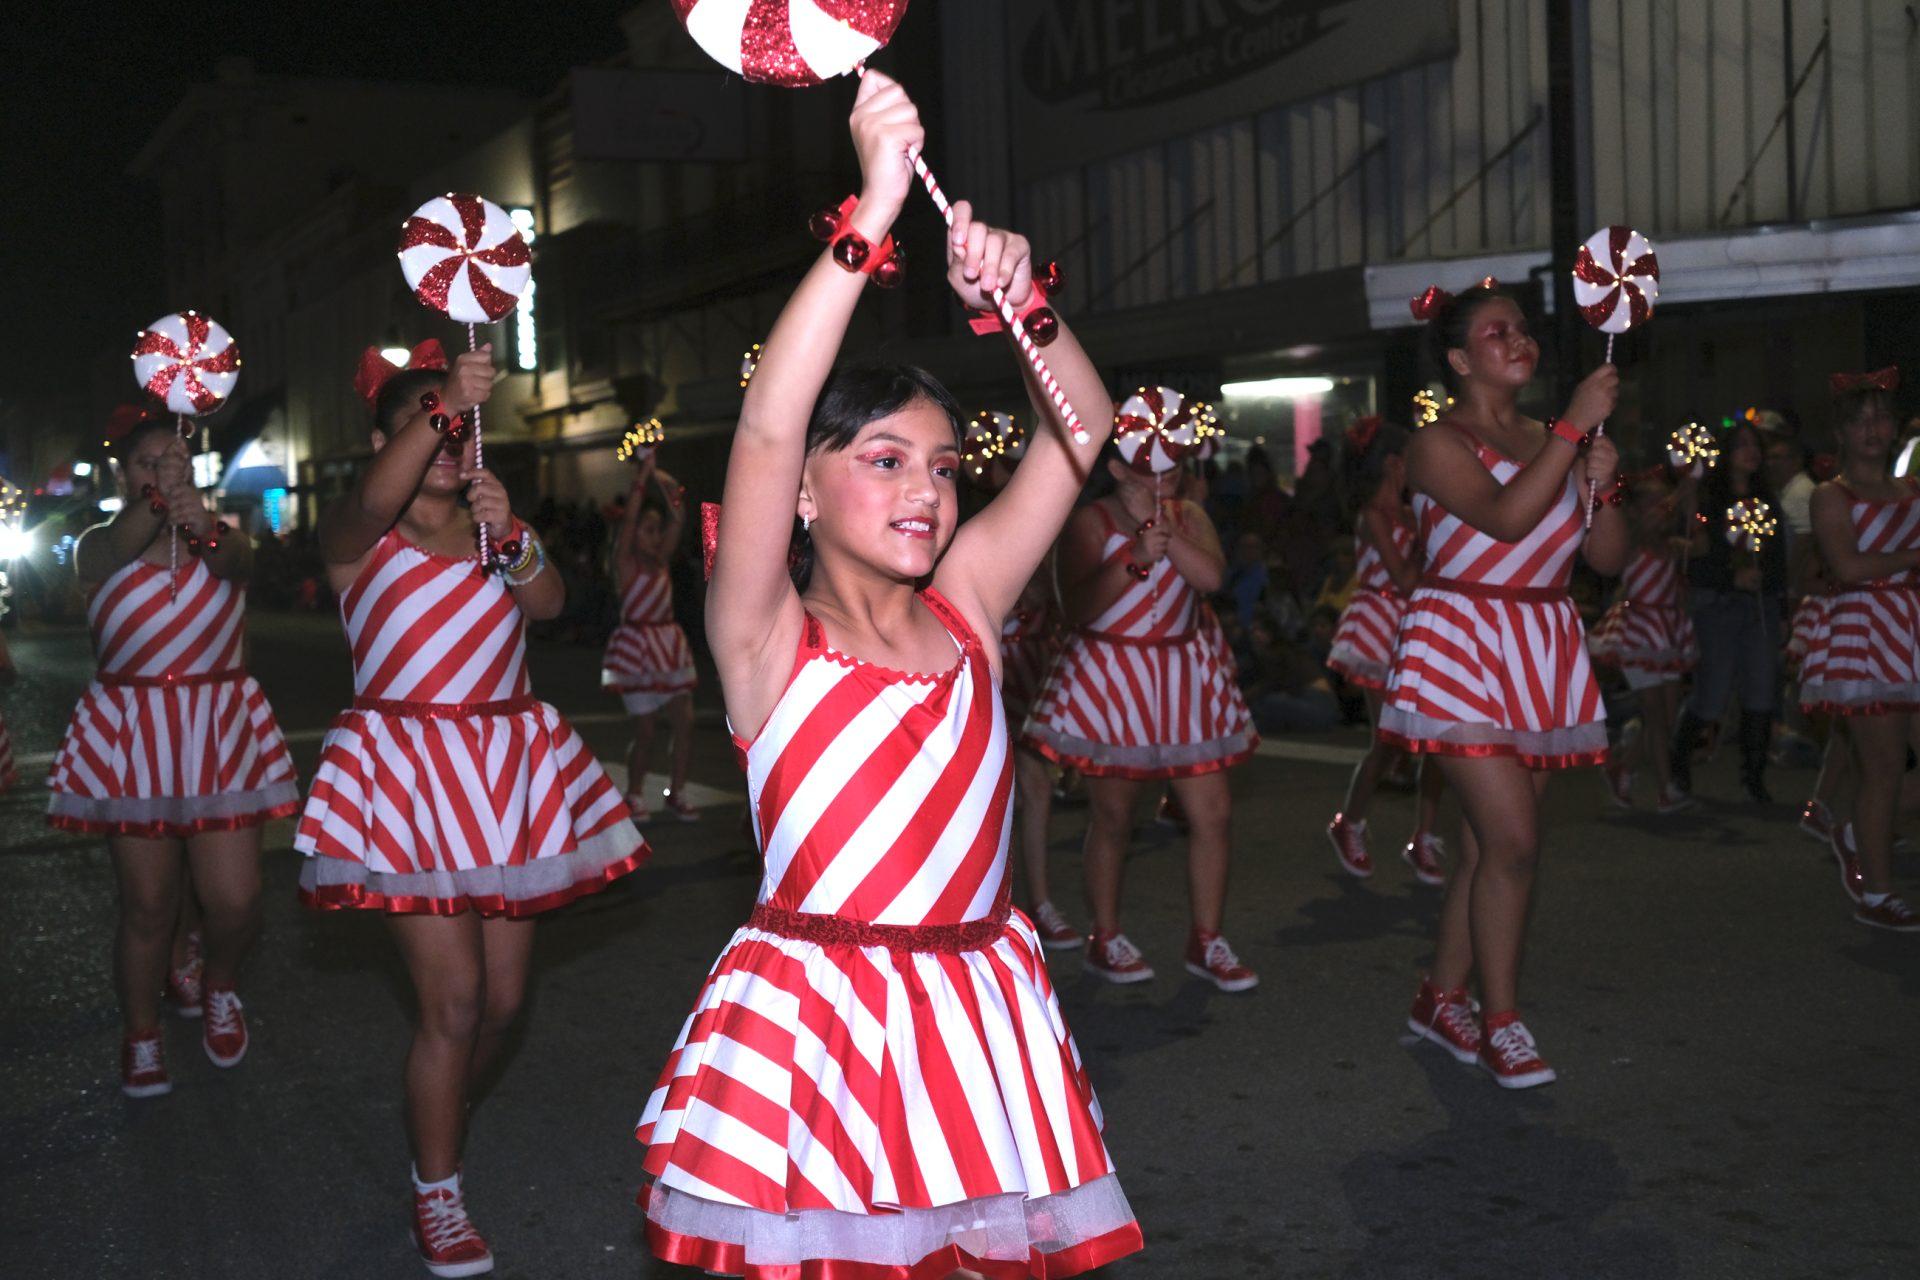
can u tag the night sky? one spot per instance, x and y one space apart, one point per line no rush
87 84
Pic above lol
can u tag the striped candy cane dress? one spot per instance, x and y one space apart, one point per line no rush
1492 658
1865 658
1647 634
876 1082
648 661
1806 636
1144 690
1029 640
173 737
1362 648
448 786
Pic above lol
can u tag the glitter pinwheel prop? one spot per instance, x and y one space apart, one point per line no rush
991 436
189 363
1692 450
462 255
641 439
1616 281
797 43
1156 429
1750 522
750 364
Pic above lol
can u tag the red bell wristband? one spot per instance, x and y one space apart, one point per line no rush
853 251
1567 431
1038 318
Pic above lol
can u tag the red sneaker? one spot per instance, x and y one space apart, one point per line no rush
1114 958
1508 1051
1055 933
1840 842
445 1237
1209 957
185 992
637 808
680 807
143 1066
1889 913
1350 845
1672 801
1448 1019
224 1032
1619 785
1426 853
1817 821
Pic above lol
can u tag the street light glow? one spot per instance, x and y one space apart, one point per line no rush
396 356
15 543
82 470
1276 388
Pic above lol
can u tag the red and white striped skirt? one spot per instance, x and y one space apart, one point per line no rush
1495 673
497 808
1807 637
171 758
648 664
1025 660
1115 707
1649 644
1362 648
875 1108
1863 657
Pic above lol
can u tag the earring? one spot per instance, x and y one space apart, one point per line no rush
806 524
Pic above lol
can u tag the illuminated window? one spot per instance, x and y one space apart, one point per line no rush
526 345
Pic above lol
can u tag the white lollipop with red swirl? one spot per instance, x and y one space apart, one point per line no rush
792 43
461 254
1157 427
1616 279
188 361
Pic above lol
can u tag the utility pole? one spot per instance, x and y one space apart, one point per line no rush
1563 134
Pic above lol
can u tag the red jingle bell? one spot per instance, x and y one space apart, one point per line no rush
892 271
825 225
430 401
1051 278
510 550
1042 326
439 422
852 251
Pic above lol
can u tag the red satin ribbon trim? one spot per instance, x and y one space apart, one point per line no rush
839 931
350 897
720 1258
171 830
1490 750
187 681
446 710
1496 591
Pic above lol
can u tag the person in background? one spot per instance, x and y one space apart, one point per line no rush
1247 577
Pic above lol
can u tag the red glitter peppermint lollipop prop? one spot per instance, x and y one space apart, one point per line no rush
189 363
462 255
795 43
1156 428
1616 281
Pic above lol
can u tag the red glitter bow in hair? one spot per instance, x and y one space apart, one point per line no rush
1429 304
375 368
191 363
1361 431
467 255
1887 379
125 418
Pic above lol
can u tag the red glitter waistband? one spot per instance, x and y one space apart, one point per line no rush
446 710
188 680
838 931
1879 589
1497 591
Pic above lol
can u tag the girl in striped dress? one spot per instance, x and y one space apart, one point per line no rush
648 661
1864 665
1647 633
1387 564
172 750
448 797
1490 675
876 1081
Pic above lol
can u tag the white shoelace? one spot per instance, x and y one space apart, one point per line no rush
1514 1044
1117 953
146 1056
446 1223
223 1013
1220 956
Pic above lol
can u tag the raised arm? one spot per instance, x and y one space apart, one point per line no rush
995 553
1610 538
229 556
752 609
1840 549
349 528
107 548
674 495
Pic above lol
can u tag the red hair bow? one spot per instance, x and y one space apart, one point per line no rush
1361 431
1430 304
375 368
1887 379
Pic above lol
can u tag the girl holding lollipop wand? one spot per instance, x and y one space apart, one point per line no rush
1490 675
876 1078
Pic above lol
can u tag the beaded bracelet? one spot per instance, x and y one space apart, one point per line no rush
535 555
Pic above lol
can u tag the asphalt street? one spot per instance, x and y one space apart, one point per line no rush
1737 1058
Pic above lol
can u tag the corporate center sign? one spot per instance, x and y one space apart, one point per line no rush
1098 76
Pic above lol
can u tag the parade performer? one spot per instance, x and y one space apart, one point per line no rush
448 797
1387 565
1491 675
1647 634
1864 665
876 1080
1737 599
648 661
1806 647
1143 690
172 749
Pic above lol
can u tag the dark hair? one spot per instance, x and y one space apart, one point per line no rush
1718 486
400 395
152 425
1851 406
1361 470
855 395
1447 331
